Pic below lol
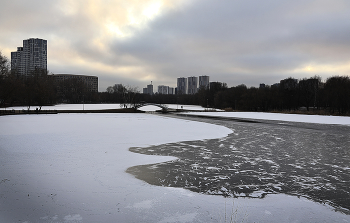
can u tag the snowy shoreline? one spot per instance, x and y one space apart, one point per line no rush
102 107
316 119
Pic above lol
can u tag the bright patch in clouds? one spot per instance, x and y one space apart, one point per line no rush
115 21
152 10
114 29
136 17
319 69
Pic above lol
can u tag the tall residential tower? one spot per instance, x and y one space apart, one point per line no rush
33 55
204 82
192 85
181 85
163 89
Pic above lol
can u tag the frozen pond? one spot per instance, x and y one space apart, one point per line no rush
72 168
257 159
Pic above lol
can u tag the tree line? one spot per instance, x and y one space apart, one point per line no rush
309 94
331 96
36 89
39 88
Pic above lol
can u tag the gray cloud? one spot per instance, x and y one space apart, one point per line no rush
246 38
232 41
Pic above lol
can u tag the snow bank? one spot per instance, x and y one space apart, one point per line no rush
104 106
69 107
338 120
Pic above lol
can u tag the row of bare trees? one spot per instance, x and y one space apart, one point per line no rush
39 88
130 96
34 89
127 96
332 96
74 91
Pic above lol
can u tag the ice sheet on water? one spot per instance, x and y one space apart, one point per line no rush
73 217
85 162
74 164
295 165
147 204
177 217
339 120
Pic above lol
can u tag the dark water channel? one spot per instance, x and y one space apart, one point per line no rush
267 157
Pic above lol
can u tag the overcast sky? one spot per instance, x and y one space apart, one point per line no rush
135 42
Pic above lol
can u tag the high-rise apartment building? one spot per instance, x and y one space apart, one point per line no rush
16 60
150 88
171 90
204 82
163 89
192 85
181 85
33 55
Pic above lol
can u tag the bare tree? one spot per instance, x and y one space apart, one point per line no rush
10 86
110 90
129 96
4 65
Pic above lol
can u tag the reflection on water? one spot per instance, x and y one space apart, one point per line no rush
307 160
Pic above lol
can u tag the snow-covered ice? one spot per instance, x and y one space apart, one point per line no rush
73 165
320 119
71 168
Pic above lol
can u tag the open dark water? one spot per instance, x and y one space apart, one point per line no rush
259 158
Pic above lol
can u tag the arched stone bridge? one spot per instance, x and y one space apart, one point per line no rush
142 104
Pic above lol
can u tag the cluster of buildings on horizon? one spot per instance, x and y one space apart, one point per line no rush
188 85
33 55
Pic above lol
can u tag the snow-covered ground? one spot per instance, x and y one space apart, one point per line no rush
249 115
103 106
338 120
71 168
69 107
174 106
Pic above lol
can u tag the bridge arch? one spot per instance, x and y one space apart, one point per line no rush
163 107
